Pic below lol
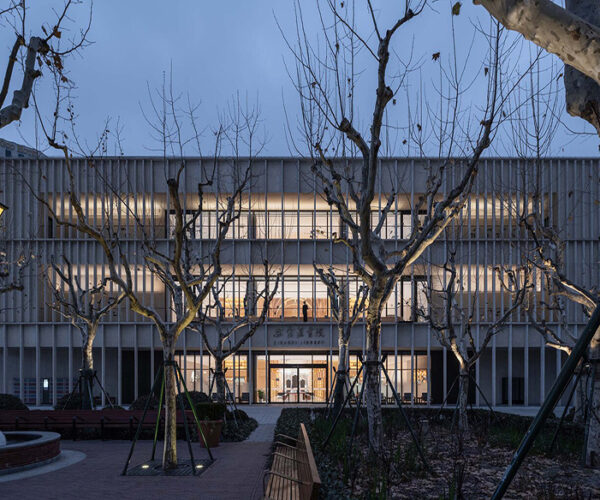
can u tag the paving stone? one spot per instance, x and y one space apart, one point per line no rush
235 474
262 434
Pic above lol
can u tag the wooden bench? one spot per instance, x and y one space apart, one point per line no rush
293 474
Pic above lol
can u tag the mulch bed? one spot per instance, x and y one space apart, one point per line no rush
482 468
488 450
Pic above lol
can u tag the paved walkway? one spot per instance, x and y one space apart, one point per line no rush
266 416
236 474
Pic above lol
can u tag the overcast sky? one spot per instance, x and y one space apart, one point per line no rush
219 48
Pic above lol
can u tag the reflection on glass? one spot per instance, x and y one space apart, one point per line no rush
260 394
319 385
198 376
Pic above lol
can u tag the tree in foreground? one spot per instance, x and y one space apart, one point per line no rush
453 316
187 274
345 316
547 257
572 33
326 82
229 334
84 306
187 269
43 50
544 248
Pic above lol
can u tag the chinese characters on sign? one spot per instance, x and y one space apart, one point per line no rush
294 335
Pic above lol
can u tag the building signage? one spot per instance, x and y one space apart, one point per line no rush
299 336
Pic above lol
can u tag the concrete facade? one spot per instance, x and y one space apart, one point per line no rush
283 219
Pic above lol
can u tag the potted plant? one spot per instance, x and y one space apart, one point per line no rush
261 395
211 422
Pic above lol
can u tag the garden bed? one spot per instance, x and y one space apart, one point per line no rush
232 433
399 473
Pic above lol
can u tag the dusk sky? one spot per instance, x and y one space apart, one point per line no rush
219 48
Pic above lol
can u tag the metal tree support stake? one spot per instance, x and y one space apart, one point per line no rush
179 381
560 384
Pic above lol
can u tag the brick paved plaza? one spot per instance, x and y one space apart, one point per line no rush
235 474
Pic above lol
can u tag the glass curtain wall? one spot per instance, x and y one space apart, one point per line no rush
294 291
277 224
197 370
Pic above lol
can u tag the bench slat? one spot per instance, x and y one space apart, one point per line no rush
293 474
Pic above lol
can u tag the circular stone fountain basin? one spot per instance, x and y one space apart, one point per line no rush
28 449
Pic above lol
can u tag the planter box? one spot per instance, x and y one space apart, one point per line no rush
212 432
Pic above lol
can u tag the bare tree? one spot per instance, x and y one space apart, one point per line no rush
453 323
15 261
230 334
189 272
48 51
84 306
339 294
572 33
188 275
548 258
187 269
12 271
326 83
544 250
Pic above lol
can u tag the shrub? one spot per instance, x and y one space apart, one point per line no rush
140 403
210 411
10 402
197 397
240 416
64 403
290 419
240 432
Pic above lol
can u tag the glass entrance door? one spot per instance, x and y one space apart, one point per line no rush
320 385
291 385
298 383
305 393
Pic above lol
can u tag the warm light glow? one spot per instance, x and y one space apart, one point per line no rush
145 466
2 208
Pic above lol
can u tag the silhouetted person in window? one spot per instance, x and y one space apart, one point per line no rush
305 312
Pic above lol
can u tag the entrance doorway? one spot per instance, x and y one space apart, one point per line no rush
299 383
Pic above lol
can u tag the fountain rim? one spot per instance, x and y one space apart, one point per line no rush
42 437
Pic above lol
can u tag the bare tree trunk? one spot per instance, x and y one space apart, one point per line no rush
592 448
579 404
372 379
220 378
342 372
582 93
170 448
87 362
463 397
87 369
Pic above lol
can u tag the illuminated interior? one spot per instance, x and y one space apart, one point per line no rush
308 378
